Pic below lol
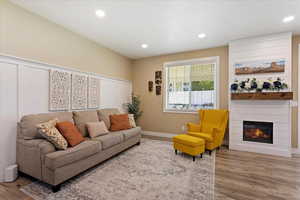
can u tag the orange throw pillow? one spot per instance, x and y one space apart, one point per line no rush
119 122
70 133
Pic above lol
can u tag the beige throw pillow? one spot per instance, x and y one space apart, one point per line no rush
50 132
131 120
96 128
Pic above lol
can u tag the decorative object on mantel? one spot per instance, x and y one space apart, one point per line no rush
150 86
79 91
93 92
59 90
260 66
262 96
254 85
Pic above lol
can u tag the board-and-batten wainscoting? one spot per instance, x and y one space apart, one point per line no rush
24 89
277 46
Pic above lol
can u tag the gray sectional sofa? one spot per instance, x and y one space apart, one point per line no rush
38 158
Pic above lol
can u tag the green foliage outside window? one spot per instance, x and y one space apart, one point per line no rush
202 85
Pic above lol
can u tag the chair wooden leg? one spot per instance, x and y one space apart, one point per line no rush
201 156
176 151
210 151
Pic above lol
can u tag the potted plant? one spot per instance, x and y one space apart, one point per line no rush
134 107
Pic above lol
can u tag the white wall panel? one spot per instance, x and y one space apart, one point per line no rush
24 89
33 90
8 115
114 94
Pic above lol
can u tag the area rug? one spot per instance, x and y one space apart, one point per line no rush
145 172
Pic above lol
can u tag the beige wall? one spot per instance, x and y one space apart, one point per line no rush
295 50
24 34
153 118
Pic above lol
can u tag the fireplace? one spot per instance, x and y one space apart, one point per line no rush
254 131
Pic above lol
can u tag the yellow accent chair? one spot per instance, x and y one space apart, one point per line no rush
212 127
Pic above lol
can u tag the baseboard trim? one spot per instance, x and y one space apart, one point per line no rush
269 151
158 134
296 151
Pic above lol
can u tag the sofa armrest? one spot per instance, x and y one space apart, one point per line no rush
193 127
31 155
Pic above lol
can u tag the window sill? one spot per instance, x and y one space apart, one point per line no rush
180 112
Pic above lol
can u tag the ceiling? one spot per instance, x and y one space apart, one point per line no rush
168 26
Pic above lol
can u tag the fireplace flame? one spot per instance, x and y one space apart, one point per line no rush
259 132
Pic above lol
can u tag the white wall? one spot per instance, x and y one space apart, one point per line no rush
24 89
278 46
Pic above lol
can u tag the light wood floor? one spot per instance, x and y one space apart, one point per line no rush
239 176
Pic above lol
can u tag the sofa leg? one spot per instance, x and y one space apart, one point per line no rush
194 158
201 155
210 151
55 188
176 151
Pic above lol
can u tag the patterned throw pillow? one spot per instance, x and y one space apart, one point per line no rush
131 120
50 132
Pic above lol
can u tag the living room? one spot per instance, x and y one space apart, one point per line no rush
149 100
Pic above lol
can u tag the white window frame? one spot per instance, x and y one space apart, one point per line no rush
207 60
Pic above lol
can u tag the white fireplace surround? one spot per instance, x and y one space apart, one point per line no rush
277 111
274 111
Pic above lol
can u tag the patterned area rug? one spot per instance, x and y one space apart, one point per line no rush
146 172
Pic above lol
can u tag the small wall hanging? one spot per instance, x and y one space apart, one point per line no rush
158 77
150 86
158 90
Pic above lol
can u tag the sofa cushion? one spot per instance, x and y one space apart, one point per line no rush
119 122
70 133
61 158
105 113
28 129
131 132
111 139
82 117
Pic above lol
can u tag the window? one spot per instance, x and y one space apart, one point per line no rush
191 85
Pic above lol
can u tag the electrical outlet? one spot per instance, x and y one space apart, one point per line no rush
183 127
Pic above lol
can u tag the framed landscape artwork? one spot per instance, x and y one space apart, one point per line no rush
260 66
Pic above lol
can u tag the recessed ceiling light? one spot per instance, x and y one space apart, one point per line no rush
202 35
100 13
288 19
144 46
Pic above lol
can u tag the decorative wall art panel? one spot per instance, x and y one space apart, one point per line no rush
93 92
79 91
59 91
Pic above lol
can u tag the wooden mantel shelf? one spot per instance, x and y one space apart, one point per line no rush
262 96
